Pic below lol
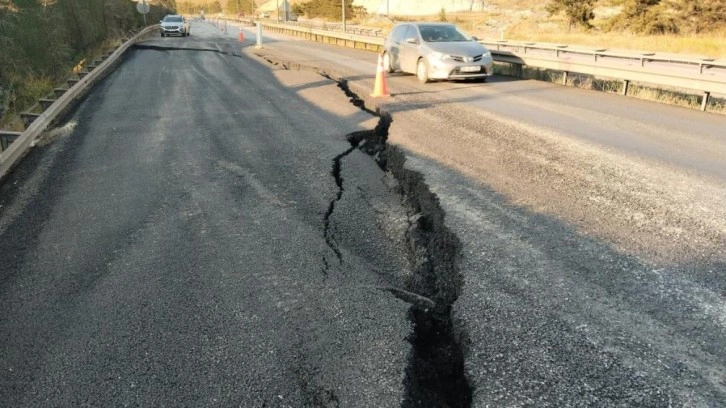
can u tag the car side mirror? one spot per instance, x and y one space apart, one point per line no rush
161 21
412 40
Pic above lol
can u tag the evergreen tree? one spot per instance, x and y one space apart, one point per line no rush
578 12
329 9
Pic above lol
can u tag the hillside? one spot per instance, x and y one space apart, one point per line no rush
422 7
404 7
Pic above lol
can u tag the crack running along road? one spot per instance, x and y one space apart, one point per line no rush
551 314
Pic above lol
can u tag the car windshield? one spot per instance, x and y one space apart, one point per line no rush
172 19
442 33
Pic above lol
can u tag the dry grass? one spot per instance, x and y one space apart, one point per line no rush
24 93
710 45
527 20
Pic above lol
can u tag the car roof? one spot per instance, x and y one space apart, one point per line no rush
432 23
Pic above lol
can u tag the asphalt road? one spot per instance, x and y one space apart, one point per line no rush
592 229
180 241
200 232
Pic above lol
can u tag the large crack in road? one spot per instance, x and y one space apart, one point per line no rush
435 373
331 207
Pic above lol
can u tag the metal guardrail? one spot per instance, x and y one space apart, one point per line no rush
349 29
707 76
17 144
312 33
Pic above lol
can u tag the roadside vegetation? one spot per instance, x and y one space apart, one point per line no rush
694 27
41 41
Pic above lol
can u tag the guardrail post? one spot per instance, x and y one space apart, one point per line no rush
519 70
564 78
259 35
7 137
704 102
626 84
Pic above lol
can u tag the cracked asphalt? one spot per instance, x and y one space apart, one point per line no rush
201 232
166 245
592 229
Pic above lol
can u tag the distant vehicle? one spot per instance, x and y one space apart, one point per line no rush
174 24
292 17
265 15
436 51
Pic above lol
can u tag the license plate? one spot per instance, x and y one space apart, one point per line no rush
470 69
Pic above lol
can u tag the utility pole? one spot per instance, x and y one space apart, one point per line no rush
344 26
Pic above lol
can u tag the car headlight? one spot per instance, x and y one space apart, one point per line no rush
440 56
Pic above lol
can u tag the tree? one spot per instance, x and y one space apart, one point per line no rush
578 12
698 16
329 9
638 14
239 6
638 8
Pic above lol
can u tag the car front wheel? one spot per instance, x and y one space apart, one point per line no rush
422 71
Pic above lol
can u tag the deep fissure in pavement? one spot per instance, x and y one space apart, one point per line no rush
331 207
354 139
435 373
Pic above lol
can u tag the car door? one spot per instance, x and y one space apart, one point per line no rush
395 45
408 49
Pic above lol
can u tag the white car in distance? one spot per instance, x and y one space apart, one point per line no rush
174 24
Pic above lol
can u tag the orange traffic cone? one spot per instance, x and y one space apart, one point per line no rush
241 36
380 89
